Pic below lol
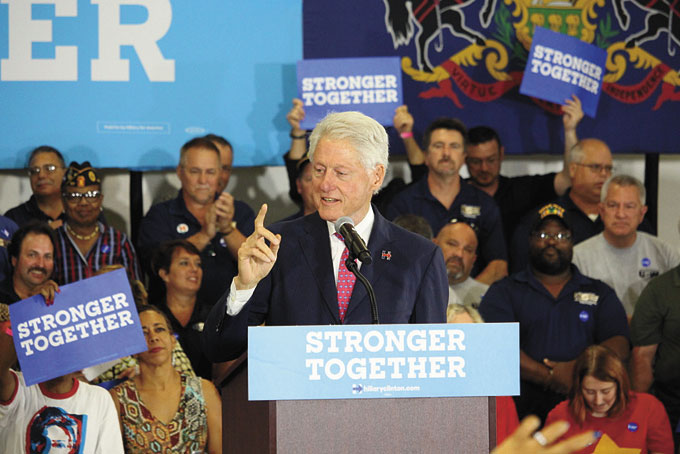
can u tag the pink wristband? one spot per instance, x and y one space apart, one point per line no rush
406 135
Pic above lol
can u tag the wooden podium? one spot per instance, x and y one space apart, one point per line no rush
451 424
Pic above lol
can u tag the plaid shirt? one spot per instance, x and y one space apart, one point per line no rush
112 247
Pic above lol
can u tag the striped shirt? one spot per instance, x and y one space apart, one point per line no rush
112 247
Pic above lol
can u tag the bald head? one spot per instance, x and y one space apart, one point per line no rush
590 164
458 242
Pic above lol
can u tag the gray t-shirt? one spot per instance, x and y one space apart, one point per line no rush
626 270
470 291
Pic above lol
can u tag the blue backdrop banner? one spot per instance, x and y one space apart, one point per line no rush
90 322
124 83
383 361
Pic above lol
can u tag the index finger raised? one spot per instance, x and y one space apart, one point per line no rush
259 219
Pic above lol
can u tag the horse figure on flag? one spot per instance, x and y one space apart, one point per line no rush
426 19
662 16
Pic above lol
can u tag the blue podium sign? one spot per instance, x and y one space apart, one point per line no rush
560 66
370 85
383 361
90 322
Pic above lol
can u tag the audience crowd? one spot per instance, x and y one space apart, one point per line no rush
567 255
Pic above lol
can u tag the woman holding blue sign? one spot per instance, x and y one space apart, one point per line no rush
160 406
601 399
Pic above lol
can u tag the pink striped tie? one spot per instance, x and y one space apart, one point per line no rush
346 281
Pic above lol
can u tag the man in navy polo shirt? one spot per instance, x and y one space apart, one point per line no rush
442 197
215 223
560 313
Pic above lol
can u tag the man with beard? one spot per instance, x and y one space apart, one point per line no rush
443 196
458 242
560 313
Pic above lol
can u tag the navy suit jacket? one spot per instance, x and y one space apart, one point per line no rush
408 275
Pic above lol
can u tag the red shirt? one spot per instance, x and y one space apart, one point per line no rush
644 425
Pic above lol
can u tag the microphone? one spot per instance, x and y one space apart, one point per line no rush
357 248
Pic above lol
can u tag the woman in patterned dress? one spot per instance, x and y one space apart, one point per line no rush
161 410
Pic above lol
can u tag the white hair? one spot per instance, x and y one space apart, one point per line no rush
364 134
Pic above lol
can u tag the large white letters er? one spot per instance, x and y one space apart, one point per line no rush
24 31
143 37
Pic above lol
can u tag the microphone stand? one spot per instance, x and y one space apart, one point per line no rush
354 268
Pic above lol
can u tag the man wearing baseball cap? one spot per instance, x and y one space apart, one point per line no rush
560 313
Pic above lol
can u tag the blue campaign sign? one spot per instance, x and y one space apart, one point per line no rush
124 83
383 361
371 85
90 322
560 66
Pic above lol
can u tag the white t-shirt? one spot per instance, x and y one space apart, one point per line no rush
84 416
626 270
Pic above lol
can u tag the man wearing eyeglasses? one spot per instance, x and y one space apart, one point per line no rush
46 169
590 165
560 313
211 220
84 243
637 256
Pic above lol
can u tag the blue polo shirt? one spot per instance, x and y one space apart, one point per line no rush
586 312
172 220
471 204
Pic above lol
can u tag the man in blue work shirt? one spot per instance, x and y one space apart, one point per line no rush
560 313
443 196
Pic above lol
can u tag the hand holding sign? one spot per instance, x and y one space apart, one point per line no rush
92 321
572 113
48 290
294 116
255 257
403 120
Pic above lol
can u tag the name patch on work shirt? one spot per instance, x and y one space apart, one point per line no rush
470 211
587 298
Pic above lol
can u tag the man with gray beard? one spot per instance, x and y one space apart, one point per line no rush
560 313
458 242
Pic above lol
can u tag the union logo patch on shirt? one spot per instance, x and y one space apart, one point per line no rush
648 273
470 211
587 298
